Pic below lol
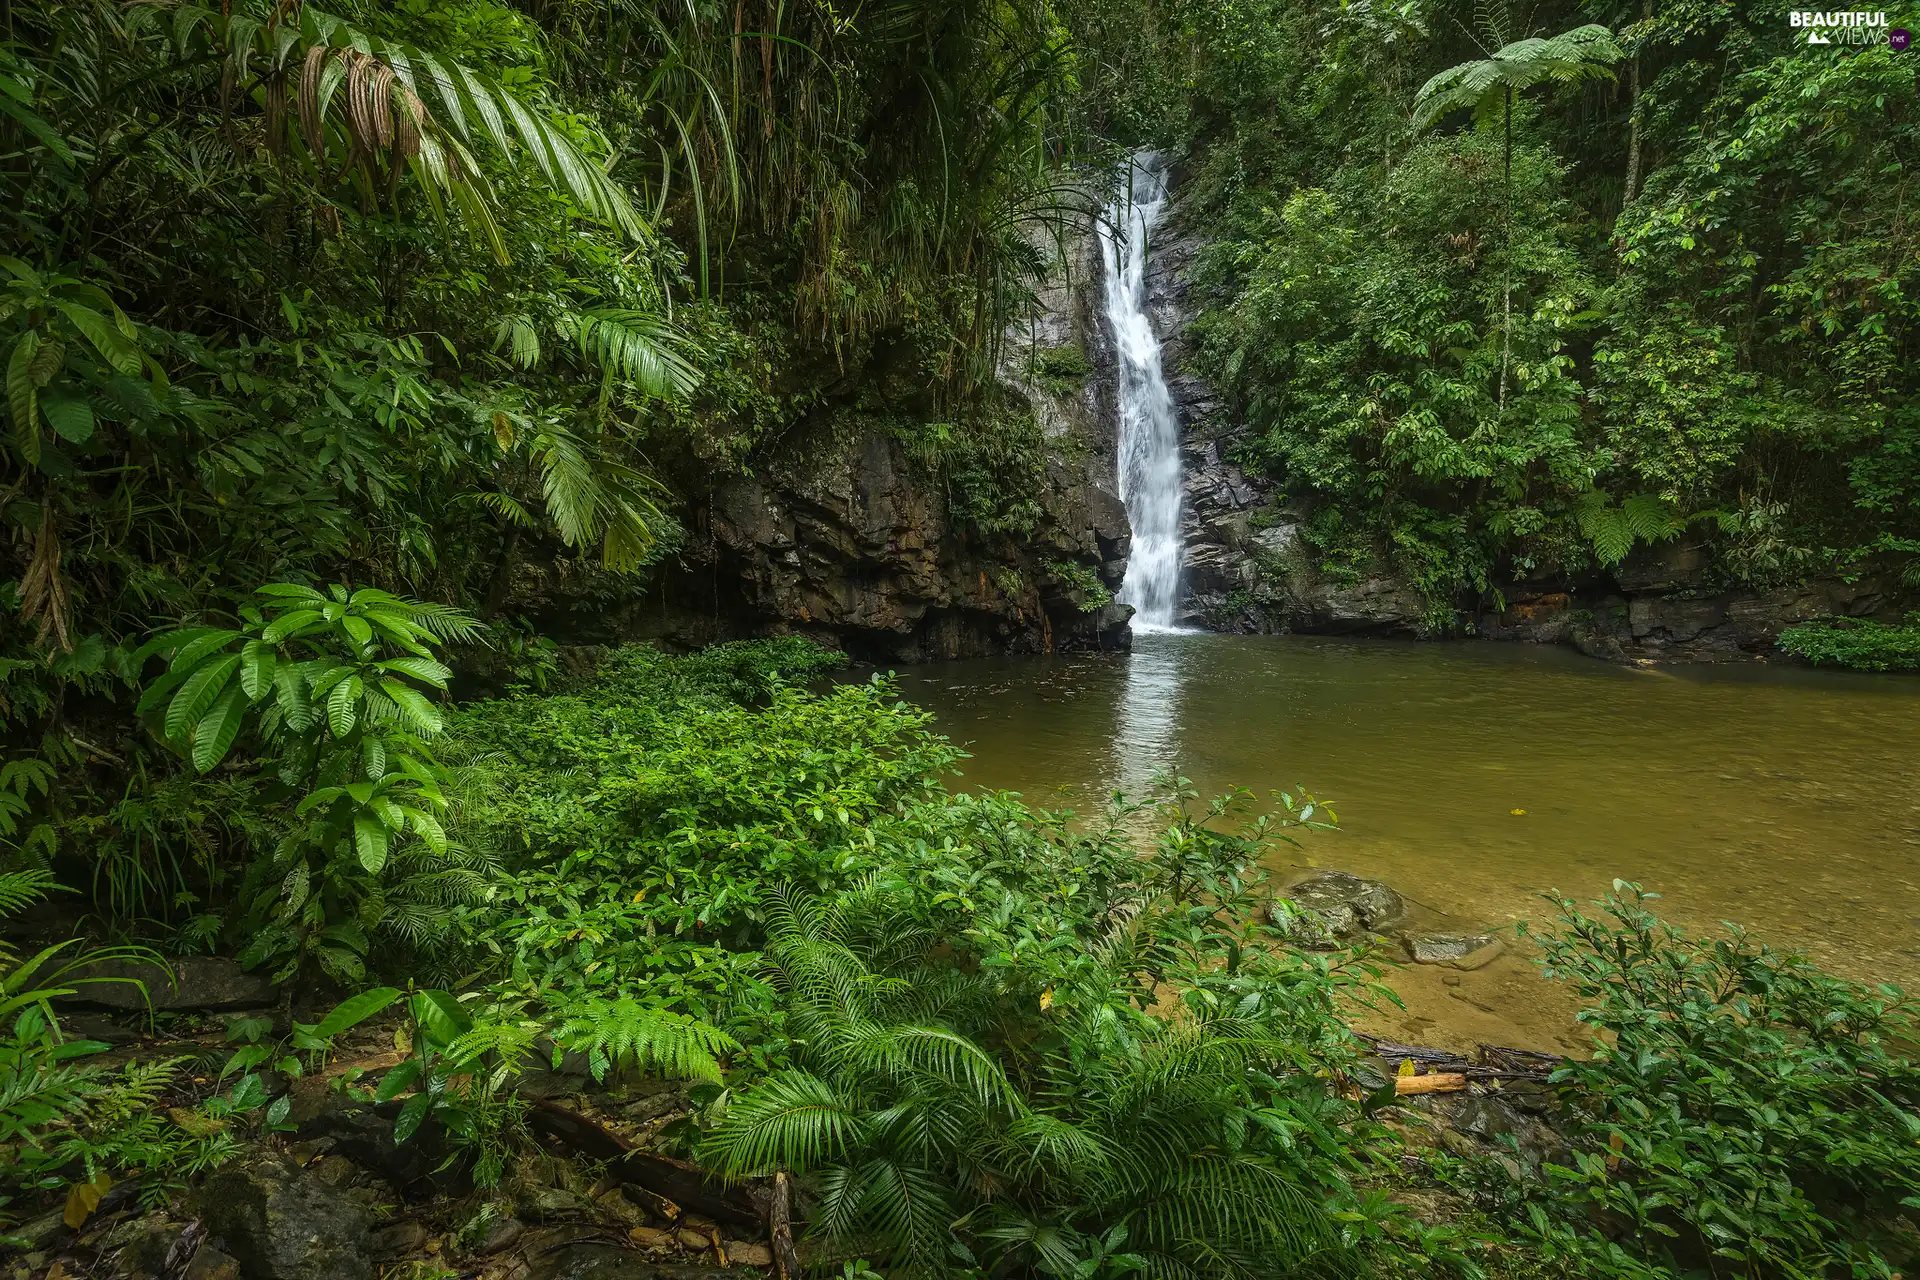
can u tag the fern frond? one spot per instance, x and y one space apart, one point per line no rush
19 889
624 1031
638 347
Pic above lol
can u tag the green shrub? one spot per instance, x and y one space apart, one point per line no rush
1742 1112
1863 645
1062 369
1094 595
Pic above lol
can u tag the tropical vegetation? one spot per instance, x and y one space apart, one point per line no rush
368 367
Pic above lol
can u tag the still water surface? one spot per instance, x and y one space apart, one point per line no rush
1782 799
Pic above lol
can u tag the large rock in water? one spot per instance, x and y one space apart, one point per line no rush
284 1224
1331 908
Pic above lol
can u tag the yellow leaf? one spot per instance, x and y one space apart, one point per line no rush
1046 999
83 1198
1406 1066
639 895
1518 813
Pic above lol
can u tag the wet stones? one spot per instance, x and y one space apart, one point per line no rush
1455 950
211 983
1333 908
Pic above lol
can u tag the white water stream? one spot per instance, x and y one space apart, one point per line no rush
1149 444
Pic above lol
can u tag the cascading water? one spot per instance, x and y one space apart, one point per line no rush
1149 444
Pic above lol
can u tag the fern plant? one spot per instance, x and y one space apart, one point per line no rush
64 1121
903 1109
1615 530
333 688
1584 53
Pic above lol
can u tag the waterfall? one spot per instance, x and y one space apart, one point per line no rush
1149 443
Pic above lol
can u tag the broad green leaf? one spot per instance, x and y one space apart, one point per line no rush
358 628
440 1016
215 733
343 706
355 1010
70 418
425 715
289 624
159 691
203 642
428 828
23 398
119 351
290 591
422 669
374 758
257 662
290 694
398 1080
197 693
370 842
411 1116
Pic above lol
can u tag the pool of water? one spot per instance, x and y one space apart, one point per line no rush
1782 799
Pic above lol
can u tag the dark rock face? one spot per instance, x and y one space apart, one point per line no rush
283 1224
862 554
1663 608
359 1136
848 542
185 982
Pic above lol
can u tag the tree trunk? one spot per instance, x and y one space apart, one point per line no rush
1633 114
1506 325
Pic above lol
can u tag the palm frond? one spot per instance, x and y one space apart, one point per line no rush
792 1120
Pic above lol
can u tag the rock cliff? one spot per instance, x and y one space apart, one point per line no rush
845 540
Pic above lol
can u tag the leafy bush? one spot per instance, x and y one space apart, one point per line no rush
1035 1046
1863 644
1060 370
1741 1111
1094 595
330 687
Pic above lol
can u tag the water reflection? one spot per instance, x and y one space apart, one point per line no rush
1146 742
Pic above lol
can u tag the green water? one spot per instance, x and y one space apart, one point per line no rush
1782 799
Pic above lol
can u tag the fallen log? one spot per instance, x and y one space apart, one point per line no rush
1490 1062
687 1186
1437 1082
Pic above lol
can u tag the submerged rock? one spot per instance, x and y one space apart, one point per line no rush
1458 950
1331 908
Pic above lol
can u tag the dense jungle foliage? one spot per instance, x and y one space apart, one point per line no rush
323 326
1638 269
